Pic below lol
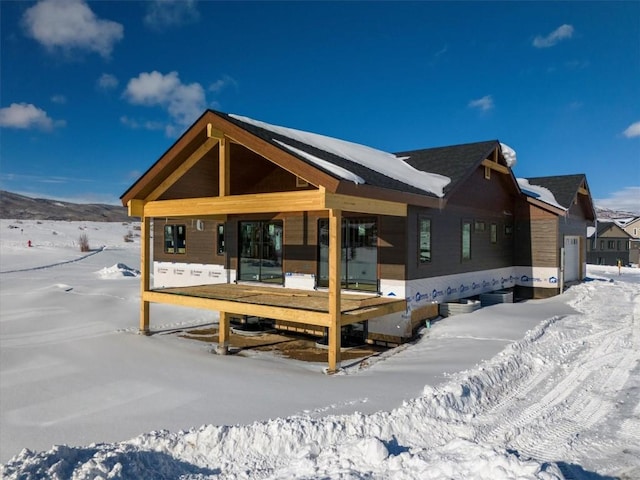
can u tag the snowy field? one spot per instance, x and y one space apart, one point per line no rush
542 389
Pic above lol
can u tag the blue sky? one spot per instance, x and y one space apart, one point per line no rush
92 93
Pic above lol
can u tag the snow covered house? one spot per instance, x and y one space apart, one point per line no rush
551 223
248 218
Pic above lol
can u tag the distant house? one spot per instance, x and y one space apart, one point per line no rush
608 244
632 227
551 228
248 218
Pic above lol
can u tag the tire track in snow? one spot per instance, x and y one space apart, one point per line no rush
558 413
41 267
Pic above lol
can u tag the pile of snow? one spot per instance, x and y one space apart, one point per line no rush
117 271
539 193
509 154
377 160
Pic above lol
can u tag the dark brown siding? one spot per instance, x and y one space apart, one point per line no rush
201 180
479 201
392 247
201 245
252 173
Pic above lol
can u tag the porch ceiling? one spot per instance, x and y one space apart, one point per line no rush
302 306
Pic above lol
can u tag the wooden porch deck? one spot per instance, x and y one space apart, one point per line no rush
354 307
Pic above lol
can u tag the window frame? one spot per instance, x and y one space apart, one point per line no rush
424 221
465 234
175 239
220 246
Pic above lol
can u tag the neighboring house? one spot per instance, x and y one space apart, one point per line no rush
551 230
248 218
632 227
608 245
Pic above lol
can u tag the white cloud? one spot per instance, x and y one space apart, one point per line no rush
136 124
163 14
183 102
627 199
60 99
222 83
107 81
632 130
484 104
25 116
560 33
71 25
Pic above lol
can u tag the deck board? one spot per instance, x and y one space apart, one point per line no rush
312 300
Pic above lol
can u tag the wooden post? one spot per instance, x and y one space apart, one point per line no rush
223 333
335 250
145 282
223 171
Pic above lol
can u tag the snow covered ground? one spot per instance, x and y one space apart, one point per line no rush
542 389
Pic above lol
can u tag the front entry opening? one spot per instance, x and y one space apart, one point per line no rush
359 265
261 251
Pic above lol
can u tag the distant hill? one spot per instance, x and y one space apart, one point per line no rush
610 214
19 207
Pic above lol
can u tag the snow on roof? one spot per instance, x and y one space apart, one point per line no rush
509 154
591 231
539 193
377 160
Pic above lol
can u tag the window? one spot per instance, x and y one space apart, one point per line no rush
175 239
220 248
479 226
601 244
359 256
466 241
635 232
508 229
618 245
424 240
611 244
261 251
494 233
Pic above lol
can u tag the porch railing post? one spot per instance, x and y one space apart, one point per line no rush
224 331
335 248
145 282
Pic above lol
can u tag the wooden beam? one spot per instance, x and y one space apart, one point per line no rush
335 256
224 332
320 319
191 160
237 204
135 208
145 282
583 191
361 315
495 166
364 205
224 173
213 132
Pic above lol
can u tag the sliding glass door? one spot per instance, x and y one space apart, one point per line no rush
261 251
359 256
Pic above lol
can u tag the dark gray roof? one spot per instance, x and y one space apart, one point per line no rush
454 162
563 187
